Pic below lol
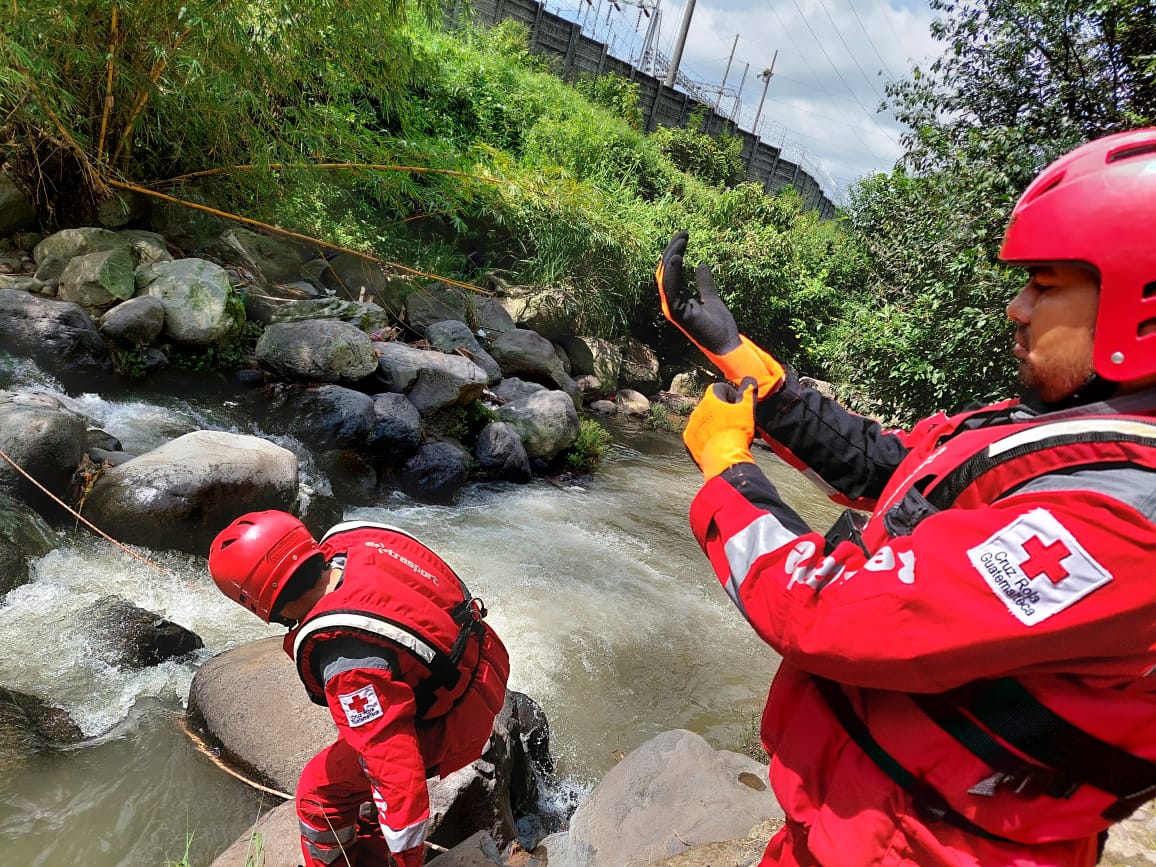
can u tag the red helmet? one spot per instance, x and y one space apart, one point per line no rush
1097 205
252 558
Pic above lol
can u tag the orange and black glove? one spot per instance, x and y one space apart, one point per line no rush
718 433
708 322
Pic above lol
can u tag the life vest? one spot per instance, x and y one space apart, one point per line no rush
398 596
972 465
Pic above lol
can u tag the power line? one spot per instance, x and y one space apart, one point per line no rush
870 41
850 53
836 69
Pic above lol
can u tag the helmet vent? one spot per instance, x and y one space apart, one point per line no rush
1129 153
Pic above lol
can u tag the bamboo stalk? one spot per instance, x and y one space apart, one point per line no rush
142 98
108 97
297 236
417 170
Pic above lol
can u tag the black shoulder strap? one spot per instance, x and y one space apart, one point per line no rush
930 804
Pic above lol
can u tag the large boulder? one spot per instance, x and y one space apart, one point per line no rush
528 355
324 416
195 294
436 302
593 356
24 535
546 422
273 259
501 455
548 310
451 336
69 243
396 429
431 380
436 472
30 726
127 636
181 494
46 440
59 334
136 322
320 350
673 792
98 281
639 369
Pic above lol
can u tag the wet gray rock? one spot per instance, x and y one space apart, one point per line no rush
324 416
501 455
321 350
30 726
136 322
451 336
436 472
181 494
431 380
69 243
47 440
24 536
58 334
196 295
127 636
546 422
396 429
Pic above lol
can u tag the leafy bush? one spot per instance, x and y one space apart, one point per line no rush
714 159
590 448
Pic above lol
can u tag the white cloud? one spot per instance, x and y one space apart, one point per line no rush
834 58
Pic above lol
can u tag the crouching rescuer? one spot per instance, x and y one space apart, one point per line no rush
386 635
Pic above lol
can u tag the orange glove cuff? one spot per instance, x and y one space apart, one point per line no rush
749 360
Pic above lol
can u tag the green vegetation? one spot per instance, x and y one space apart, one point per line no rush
372 127
590 448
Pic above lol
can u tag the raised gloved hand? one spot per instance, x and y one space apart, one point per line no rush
719 432
708 322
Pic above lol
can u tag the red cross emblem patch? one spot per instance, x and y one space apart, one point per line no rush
1037 567
361 706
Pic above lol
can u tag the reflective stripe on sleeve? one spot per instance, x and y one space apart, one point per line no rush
409 837
390 631
764 534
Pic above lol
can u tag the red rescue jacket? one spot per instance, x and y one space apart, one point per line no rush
431 709
1006 566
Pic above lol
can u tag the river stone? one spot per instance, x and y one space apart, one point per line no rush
96 281
432 380
180 495
68 243
639 369
276 260
59 334
501 455
121 208
148 248
673 792
45 439
128 636
323 416
195 294
30 726
397 427
631 402
436 473
316 351
24 535
593 356
435 303
450 336
136 322
546 421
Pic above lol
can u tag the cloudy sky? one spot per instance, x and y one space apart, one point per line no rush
834 58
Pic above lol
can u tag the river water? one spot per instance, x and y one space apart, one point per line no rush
614 622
